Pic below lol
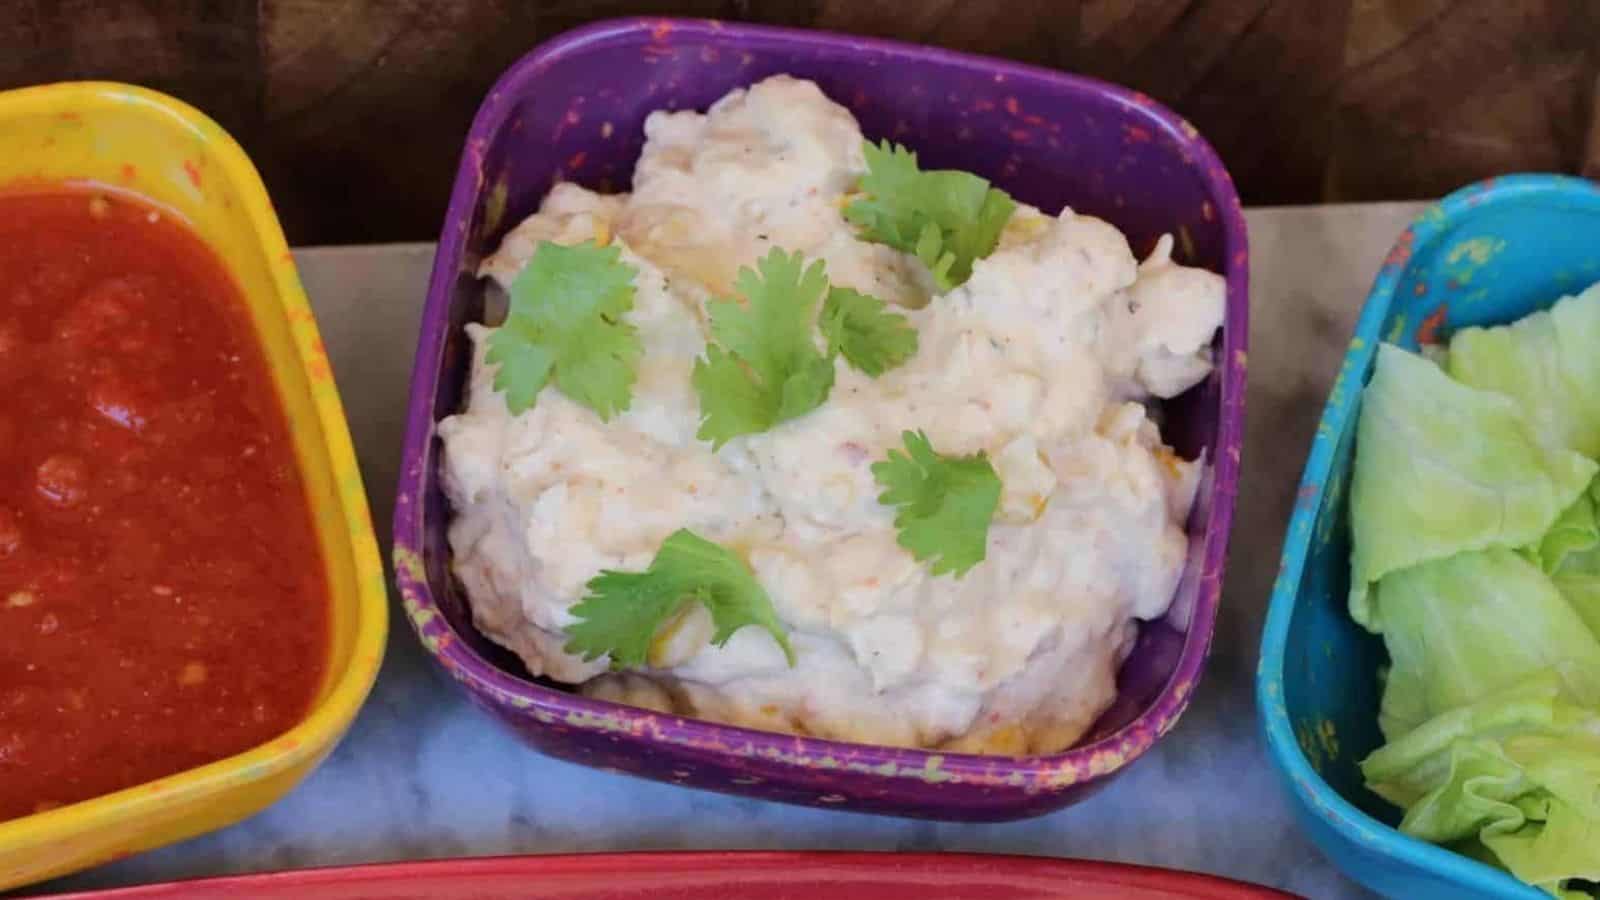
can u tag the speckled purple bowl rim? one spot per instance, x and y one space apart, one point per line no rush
1082 763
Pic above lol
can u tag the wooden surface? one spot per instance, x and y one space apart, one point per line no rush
355 109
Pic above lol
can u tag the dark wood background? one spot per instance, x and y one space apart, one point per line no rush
355 109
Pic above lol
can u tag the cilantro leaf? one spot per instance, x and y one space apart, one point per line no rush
861 328
566 323
947 218
945 503
623 611
763 368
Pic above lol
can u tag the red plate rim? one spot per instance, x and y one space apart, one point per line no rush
674 875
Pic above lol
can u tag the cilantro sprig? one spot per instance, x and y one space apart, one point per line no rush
763 368
944 503
623 611
566 324
949 219
861 328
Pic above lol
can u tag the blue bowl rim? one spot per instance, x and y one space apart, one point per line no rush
1306 783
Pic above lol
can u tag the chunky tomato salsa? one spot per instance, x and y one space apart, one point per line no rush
163 601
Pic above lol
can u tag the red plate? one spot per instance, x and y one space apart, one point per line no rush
714 876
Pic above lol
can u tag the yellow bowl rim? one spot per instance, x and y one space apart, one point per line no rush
317 732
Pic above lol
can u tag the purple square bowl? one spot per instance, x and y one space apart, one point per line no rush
574 109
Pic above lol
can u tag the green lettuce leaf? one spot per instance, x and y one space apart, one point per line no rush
1570 553
1578 578
1577 321
1512 775
1546 362
1475 514
1462 628
1442 468
1575 532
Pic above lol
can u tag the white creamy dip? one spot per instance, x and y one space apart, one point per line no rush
1043 359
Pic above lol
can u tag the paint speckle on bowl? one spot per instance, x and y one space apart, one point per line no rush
494 207
593 722
1328 738
1307 494
1306 738
1432 324
435 643
933 771
1466 258
408 564
316 360
1181 691
1400 253
475 152
1107 761
420 615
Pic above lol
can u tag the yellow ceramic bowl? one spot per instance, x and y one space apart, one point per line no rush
168 153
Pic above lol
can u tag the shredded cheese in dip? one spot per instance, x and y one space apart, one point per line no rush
1043 359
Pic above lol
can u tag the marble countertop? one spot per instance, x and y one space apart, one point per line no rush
423 774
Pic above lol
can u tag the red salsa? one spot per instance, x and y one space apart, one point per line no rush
163 601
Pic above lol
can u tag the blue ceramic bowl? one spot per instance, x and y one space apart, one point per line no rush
1487 254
